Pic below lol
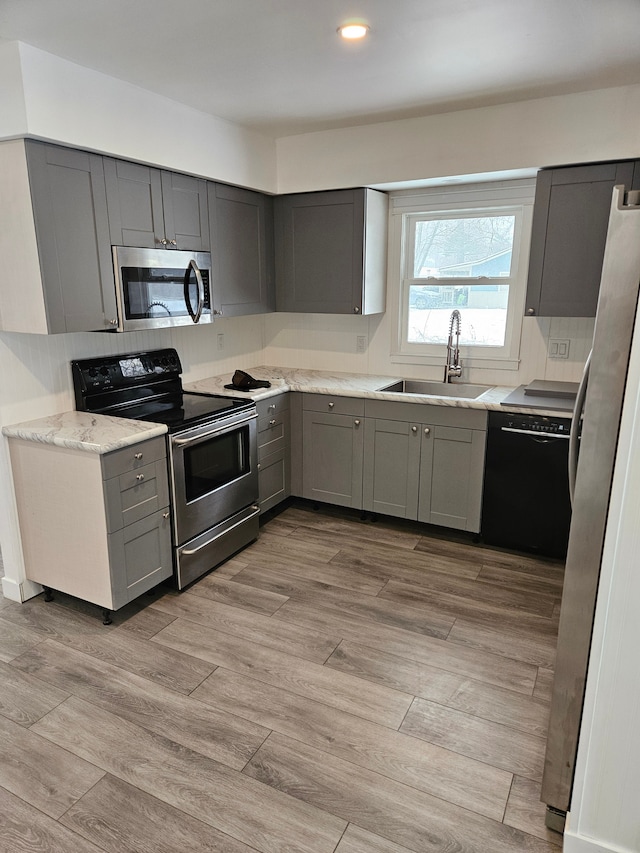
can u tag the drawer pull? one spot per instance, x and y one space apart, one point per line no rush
357 423
427 430
165 515
272 423
414 429
331 405
140 477
137 455
272 407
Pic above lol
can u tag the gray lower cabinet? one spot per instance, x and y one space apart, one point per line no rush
241 224
151 208
570 221
430 472
331 251
67 195
274 457
97 527
333 448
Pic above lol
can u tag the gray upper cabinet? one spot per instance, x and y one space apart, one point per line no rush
150 208
331 252
72 234
241 223
570 221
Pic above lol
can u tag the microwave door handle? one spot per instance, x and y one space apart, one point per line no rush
195 315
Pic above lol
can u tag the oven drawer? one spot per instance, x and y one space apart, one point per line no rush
133 457
136 494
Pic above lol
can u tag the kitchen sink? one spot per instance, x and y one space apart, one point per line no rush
435 389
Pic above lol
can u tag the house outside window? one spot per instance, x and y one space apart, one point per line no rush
465 248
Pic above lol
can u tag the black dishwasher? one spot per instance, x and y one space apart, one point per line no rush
525 503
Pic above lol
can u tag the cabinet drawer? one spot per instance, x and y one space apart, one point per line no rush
136 494
273 434
133 457
333 404
272 406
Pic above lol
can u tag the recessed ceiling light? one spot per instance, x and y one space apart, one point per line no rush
353 31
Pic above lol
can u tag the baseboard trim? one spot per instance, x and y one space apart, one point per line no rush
574 843
20 592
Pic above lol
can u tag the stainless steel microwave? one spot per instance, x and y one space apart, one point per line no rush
156 288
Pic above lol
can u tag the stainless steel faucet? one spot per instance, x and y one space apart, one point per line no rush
453 367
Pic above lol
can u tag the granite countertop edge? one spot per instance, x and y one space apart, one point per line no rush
73 430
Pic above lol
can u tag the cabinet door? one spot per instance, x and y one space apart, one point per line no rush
332 458
140 557
451 471
134 197
186 216
241 225
274 479
391 467
570 220
70 214
320 252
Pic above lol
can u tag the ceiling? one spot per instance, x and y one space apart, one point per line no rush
279 67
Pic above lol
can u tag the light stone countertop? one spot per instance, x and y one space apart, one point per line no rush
84 431
354 385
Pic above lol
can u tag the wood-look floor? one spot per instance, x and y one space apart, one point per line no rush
340 685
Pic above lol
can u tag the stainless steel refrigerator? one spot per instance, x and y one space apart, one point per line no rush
595 427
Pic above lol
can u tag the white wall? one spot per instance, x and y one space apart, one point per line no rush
599 125
67 103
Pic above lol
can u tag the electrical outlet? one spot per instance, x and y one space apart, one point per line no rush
559 348
220 341
361 343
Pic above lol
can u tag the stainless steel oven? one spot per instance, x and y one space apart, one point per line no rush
211 451
214 479
156 288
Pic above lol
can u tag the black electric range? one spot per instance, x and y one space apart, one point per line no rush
147 386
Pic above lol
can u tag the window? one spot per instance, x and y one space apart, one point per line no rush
465 249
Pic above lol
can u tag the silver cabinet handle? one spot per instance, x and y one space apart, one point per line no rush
272 407
217 312
357 423
173 242
137 455
356 310
165 515
331 405
427 430
259 466
414 429
113 322
531 311
140 477
272 422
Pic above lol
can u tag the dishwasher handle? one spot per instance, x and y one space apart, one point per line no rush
535 433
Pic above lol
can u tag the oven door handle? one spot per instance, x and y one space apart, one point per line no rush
191 551
181 442
195 315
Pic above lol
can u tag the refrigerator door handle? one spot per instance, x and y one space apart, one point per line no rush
576 419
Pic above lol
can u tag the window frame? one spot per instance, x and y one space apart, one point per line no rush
406 208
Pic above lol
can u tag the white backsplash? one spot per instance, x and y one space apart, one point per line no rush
329 342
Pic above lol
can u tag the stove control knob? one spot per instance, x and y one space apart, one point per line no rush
104 371
93 372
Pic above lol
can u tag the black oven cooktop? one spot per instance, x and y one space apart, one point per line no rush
146 386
